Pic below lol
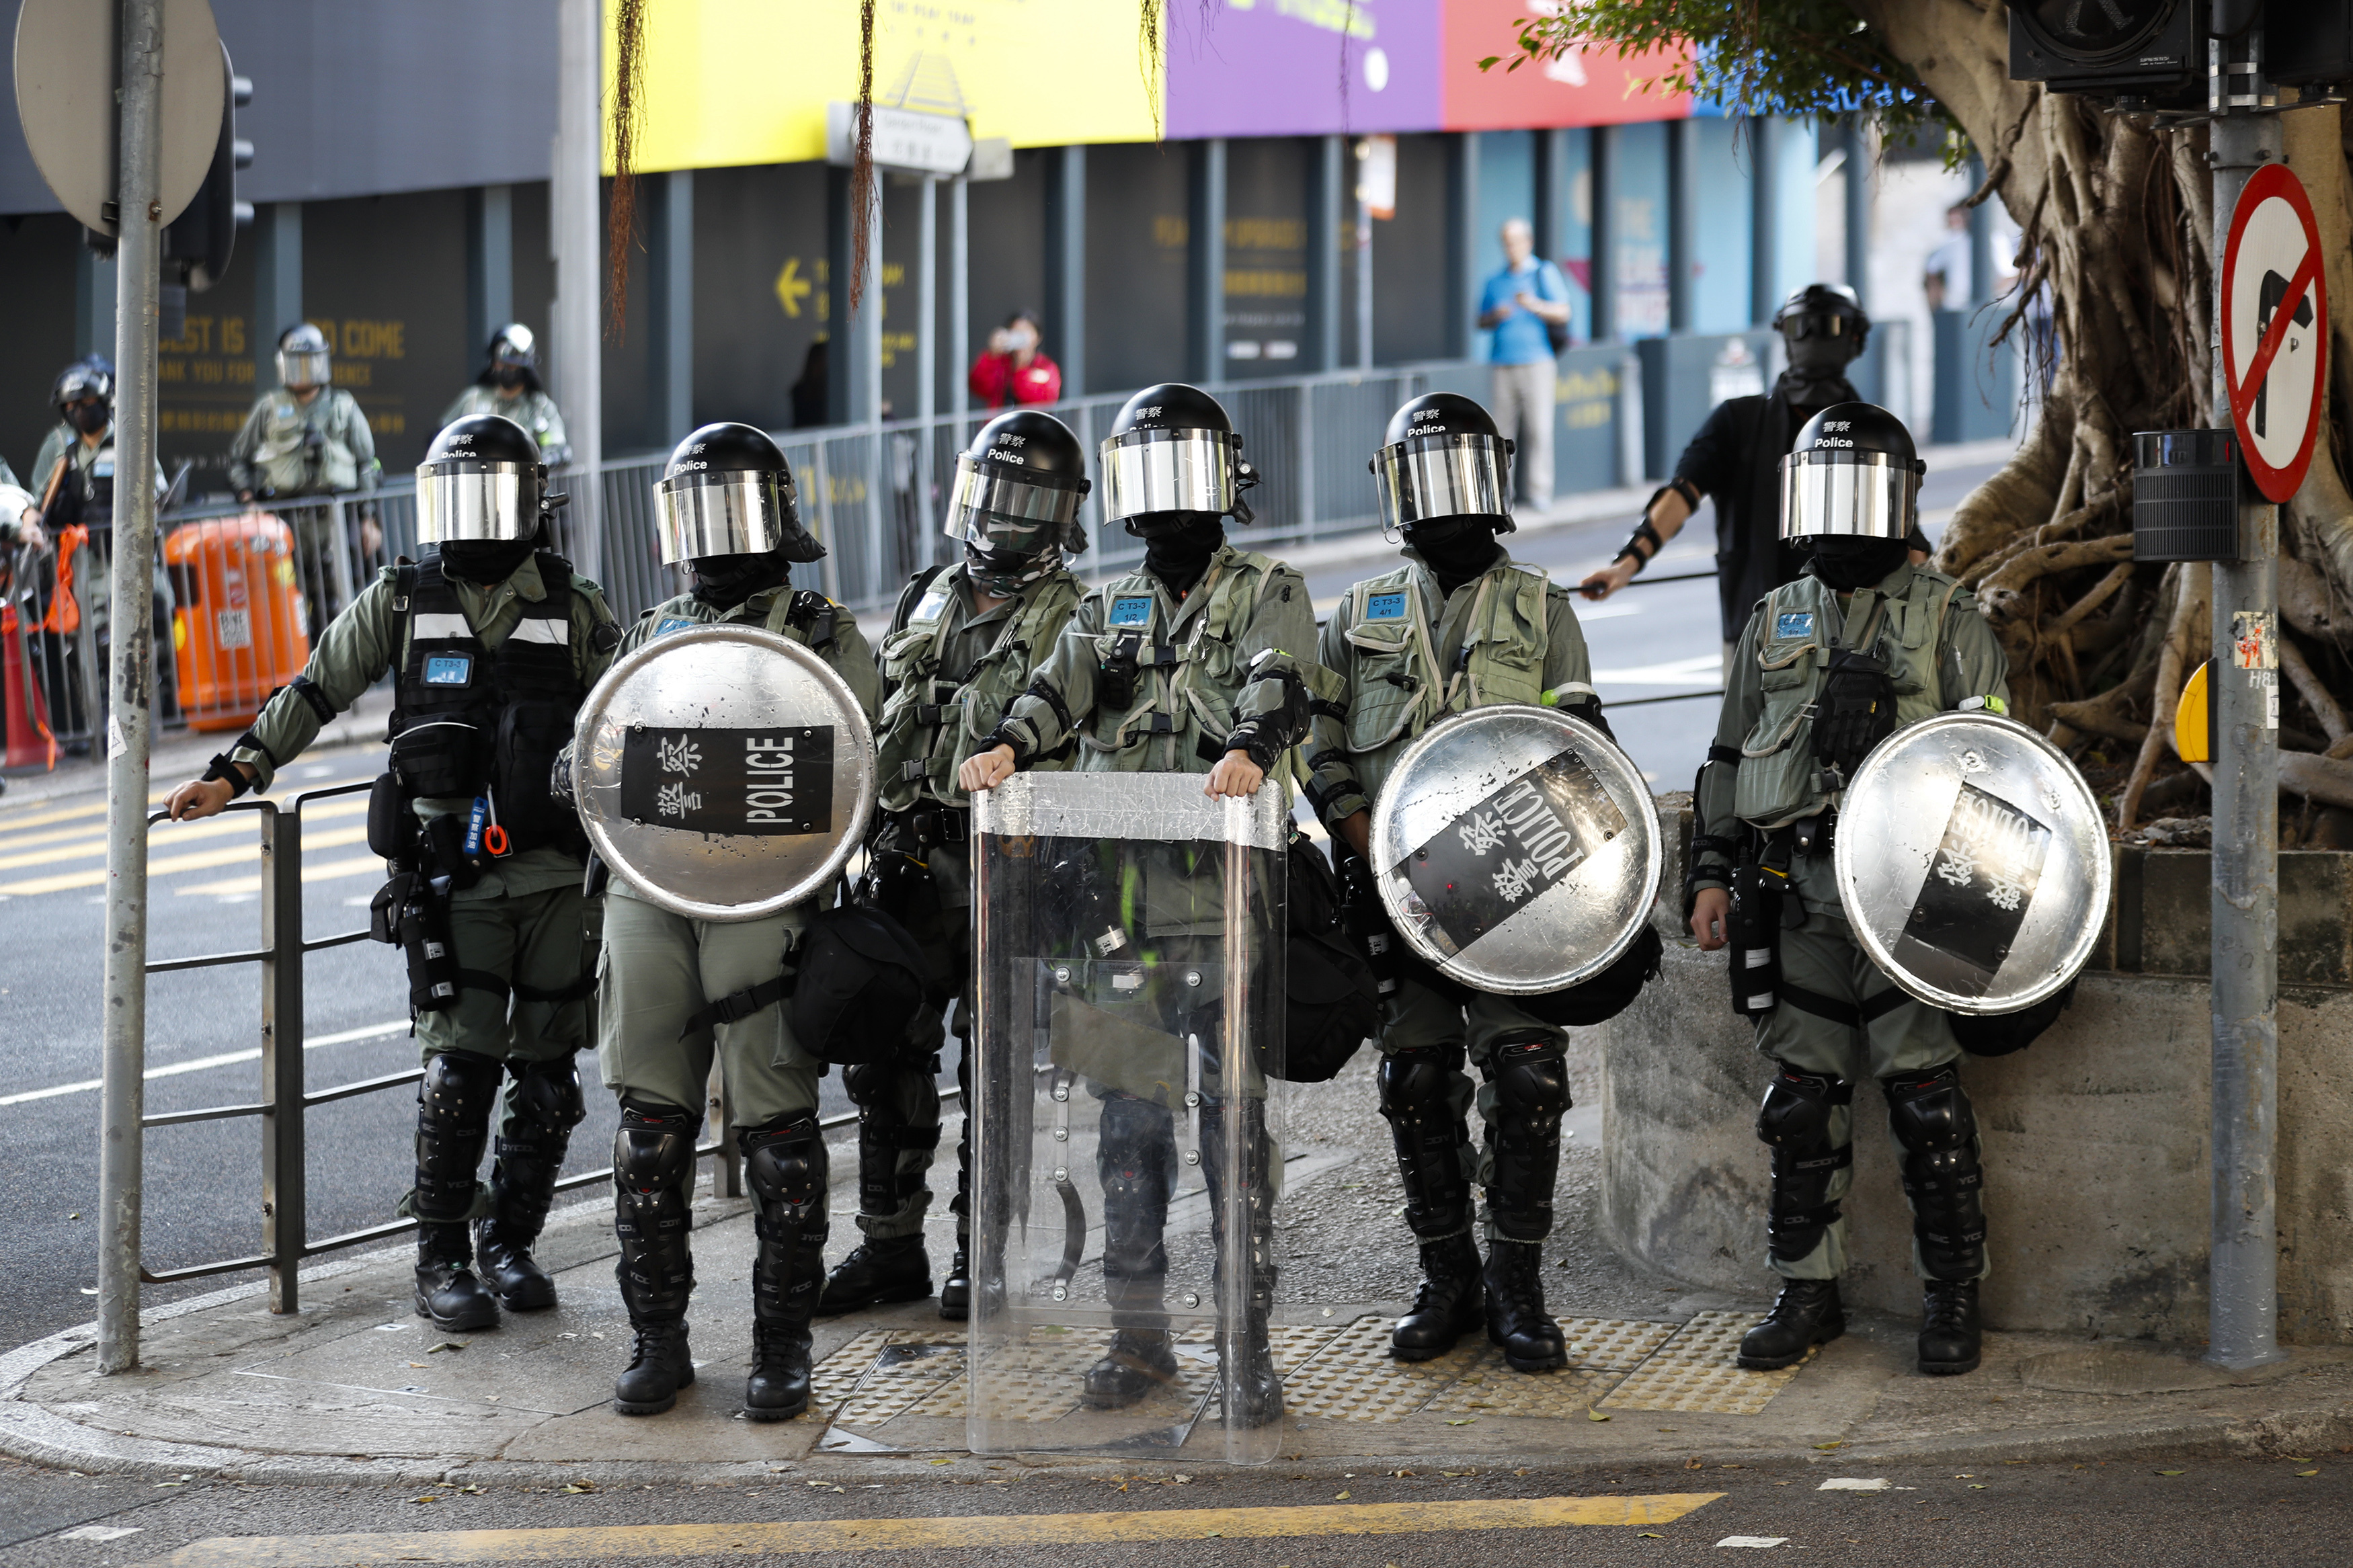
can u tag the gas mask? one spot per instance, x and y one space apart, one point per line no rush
1002 573
488 562
1177 544
723 582
89 418
1848 561
1457 548
508 377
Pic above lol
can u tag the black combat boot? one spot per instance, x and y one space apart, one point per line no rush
542 1112
1136 1150
878 1270
1951 1337
453 1124
1417 1088
1253 1390
653 1171
447 1291
1516 1319
955 1290
1448 1304
1139 1361
786 1165
1806 1314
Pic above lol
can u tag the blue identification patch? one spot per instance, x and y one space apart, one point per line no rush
448 668
1385 607
669 624
1132 612
1794 624
933 604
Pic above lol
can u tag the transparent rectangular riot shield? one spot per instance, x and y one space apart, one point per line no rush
1128 942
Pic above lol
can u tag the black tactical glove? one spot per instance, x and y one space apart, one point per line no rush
1856 709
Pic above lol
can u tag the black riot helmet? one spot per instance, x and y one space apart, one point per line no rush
83 394
727 491
1173 450
514 358
1443 457
1015 503
1823 323
481 479
302 357
1852 473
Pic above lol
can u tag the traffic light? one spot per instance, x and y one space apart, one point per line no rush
2140 54
198 244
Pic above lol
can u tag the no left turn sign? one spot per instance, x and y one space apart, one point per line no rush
2275 329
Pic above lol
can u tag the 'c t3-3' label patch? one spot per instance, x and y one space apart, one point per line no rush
1793 624
1385 607
1132 610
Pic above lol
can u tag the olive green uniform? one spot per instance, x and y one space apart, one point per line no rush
1408 654
660 970
523 922
1940 652
950 671
288 449
534 410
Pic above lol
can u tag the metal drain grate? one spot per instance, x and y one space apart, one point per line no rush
1696 1371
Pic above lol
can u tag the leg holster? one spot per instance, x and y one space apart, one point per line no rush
1135 1156
453 1126
784 1163
1932 1119
542 1107
1795 1121
1531 1076
653 1180
1428 1136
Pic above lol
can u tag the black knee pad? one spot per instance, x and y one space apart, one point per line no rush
1929 1112
547 1096
1413 1082
457 1093
1531 1074
653 1151
868 1084
1801 1209
1797 1109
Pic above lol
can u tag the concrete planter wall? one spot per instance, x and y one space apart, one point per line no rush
2095 1139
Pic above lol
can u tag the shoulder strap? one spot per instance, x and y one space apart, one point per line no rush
913 594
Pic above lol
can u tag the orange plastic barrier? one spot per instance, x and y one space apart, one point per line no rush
23 711
237 620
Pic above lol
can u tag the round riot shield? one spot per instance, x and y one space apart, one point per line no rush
723 771
1517 849
1973 861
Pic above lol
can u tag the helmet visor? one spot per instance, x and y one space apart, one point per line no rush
1148 471
303 367
1820 324
1016 510
1863 495
732 512
476 500
1443 476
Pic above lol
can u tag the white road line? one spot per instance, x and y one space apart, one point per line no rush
1705 666
202 1064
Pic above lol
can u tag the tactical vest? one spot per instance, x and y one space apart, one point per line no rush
288 467
467 718
1147 687
931 720
804 615
1801 623
1403 682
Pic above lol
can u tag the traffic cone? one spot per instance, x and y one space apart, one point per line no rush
25 713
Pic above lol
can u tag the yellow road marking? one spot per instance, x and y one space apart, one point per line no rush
322 872
997 1531
203 860
91 839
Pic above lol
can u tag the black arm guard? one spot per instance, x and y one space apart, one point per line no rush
223 769
1266 736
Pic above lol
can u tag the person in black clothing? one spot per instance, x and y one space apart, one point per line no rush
1735 461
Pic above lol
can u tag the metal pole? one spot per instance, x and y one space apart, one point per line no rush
138 258
960 302
1364 284
284 1214
2243 1321
576 202
927 355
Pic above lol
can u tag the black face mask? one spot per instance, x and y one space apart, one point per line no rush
1177 544
1457 548
723 582
509 377
489 562
1846 563
90 418
1817 374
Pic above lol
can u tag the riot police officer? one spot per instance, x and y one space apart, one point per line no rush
1828 666
961 645
1392 641
77 394
674 989
1193 664
510 386
307 438
495 641
1735 455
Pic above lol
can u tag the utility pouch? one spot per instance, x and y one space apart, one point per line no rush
391 825
448 869
383 909
530 734
440 758
1756 931
1115 679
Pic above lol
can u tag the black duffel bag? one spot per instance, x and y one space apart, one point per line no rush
857 981
2003 1033
1331 1001
1608 993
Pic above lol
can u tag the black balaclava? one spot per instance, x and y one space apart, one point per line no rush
1177 544
1845 561
723 582
489 562
1457 548
1816 378
90 418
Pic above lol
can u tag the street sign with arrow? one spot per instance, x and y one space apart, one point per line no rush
2275 329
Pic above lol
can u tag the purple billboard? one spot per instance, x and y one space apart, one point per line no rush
1303 68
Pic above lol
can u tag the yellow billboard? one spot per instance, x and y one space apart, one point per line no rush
747 82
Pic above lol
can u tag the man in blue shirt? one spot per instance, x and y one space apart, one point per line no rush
1523 304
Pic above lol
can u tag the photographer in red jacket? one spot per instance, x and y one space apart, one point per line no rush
1015 370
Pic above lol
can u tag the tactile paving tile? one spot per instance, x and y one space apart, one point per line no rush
832 1379
1697 1372
1610 1344
1492 1388
908 1369
1354 1378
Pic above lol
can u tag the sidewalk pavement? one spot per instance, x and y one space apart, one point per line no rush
357 1388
